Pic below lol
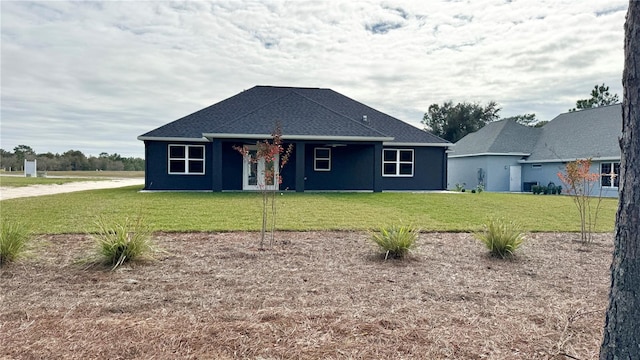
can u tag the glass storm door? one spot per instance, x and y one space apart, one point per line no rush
259 174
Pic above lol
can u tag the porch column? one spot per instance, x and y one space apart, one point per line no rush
300 164
445 160
377 167
216 165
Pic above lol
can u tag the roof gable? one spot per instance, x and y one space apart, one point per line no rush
302 112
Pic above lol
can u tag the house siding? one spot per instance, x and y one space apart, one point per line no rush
430 165
157 175
351 168
232 164
464 170
354 167
548 172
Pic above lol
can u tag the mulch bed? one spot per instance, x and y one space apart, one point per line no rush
312 295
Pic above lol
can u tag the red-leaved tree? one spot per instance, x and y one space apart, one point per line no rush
580 184
274 157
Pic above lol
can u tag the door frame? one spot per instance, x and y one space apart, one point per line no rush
247 162
515 178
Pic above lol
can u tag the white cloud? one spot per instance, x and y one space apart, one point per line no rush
93 76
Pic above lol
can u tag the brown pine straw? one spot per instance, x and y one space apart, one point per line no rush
313 295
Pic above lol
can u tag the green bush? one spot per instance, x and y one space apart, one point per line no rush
119 242
14 238
396 240
501 237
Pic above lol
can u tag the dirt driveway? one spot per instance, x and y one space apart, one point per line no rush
39 190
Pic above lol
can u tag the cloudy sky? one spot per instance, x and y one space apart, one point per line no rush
92 76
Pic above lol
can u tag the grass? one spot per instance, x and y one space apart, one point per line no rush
85 173
14 238
501 237
395 240
17 179
121 241
187 212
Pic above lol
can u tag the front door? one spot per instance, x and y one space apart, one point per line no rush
515 178
259 174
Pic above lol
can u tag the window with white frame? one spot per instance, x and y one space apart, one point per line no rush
397 162
322 159
610 174
186 159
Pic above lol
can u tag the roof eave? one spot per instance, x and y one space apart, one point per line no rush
172 138
602 158
489 154
296 137
414 144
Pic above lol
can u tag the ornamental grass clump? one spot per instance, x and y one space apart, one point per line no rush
118 242
396 241
14 238
501 237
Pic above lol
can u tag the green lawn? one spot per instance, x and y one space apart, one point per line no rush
17 178
19 181
183 212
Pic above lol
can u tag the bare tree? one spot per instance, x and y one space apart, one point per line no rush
622 325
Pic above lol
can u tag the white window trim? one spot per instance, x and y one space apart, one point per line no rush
186 160
612 180
398 162
316 158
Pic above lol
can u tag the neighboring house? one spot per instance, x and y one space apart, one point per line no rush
339 144
507 156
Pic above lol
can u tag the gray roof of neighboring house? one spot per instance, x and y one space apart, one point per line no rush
590 133
301 112
499 137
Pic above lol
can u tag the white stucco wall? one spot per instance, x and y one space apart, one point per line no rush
464 170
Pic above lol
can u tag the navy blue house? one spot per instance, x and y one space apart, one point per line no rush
339 144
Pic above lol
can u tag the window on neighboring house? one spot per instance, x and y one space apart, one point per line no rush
610 174
322 159
397 162
186 159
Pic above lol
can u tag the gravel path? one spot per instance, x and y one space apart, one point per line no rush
39 190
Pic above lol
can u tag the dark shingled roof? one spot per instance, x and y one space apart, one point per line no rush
302 112
590 133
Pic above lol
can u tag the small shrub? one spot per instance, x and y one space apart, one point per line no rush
119 242
463 190
14 238
396 240
501 237
480 188
473 191
460 187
